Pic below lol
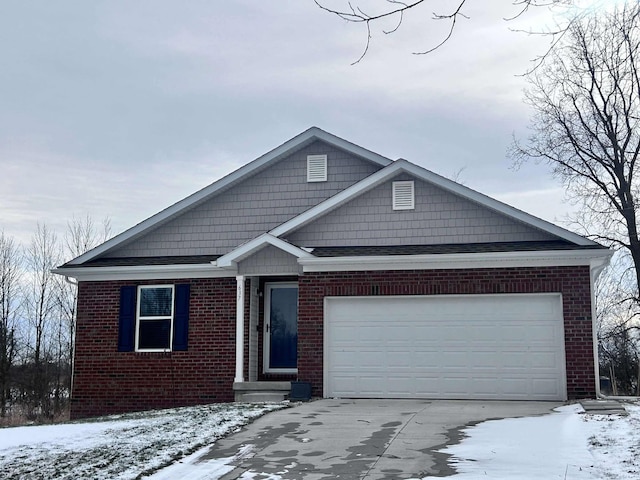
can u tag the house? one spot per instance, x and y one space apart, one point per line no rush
326 263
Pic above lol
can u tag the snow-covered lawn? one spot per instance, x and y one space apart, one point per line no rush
120 446
566 444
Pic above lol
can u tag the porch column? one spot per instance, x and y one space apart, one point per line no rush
239 329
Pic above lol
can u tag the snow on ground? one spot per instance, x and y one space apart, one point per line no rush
118 447
567 444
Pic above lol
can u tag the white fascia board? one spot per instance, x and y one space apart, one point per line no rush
297 142
144 272
246 250
553 258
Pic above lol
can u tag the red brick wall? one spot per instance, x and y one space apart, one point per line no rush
107 381
572 282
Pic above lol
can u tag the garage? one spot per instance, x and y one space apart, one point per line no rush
507 347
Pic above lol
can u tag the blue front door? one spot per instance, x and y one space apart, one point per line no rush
281 327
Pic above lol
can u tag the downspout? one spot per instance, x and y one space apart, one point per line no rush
596 269
73 351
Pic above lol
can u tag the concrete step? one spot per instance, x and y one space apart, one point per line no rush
603 407
254 397
261 391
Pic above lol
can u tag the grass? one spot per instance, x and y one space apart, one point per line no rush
125 447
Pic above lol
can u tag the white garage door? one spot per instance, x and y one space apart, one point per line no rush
454 347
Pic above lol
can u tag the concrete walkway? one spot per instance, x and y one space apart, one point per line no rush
359 439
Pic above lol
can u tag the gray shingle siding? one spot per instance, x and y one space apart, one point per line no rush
254 206
269 261
439 217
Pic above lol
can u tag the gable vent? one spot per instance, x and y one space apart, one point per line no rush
403 196
316 168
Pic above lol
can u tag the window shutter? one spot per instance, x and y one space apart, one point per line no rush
316 168
127 320
181 317
403 196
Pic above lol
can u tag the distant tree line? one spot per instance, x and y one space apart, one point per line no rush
37 319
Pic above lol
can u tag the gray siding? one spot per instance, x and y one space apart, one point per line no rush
439 217
254 206
269 261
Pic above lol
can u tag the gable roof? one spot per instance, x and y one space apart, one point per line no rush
404 166
258 243
296 143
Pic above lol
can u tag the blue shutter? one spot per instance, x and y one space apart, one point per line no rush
127 322
181 318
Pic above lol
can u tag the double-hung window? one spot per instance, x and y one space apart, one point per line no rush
154 318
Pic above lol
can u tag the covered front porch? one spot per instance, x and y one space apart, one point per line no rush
266 318
266 337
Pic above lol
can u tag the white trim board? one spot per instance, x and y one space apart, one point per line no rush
145 272
596 259
592 258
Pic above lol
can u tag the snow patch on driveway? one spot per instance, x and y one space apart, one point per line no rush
567 444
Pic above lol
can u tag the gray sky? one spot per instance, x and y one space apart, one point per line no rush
119 109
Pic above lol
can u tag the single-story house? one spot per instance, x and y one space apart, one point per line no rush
325 263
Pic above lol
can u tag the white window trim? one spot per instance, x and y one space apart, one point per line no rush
171 318
405 187
316 168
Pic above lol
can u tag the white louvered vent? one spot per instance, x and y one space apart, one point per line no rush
403 196
316 168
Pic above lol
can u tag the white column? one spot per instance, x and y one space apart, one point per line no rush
239 329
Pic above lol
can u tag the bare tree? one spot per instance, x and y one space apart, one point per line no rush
586 126
618 332
374 12
82 235
586 123
41 300
10 272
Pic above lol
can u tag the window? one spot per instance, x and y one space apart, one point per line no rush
154 318
403 195
316 168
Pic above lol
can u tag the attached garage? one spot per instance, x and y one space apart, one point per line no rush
508 347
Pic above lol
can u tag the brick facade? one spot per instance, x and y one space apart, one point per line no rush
107 381
572 282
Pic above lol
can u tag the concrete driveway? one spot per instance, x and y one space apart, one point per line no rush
359 439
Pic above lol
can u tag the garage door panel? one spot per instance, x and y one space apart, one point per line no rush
474 346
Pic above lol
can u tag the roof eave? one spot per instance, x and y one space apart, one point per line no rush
551 258
144 272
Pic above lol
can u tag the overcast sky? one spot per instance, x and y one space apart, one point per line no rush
120 109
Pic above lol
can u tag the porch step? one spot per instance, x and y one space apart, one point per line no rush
604 407
261 391
259 397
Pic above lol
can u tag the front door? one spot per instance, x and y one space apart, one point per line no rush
281 327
